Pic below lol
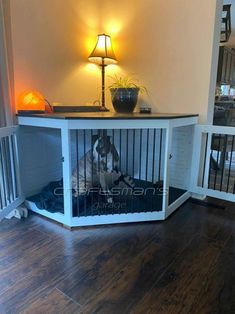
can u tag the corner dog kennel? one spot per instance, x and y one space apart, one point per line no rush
146 167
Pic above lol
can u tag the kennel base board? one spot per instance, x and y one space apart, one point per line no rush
129 204
110 219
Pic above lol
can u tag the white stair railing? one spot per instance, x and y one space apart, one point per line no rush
213 173
10 187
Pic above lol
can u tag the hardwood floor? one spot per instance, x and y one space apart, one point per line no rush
183 265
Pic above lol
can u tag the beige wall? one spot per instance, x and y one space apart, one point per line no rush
167 44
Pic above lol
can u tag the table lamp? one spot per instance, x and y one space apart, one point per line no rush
103 55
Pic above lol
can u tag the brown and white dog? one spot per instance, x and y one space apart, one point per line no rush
94 165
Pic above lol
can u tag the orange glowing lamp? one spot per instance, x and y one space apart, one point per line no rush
31 102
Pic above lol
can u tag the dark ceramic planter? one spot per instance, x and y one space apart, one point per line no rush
124 99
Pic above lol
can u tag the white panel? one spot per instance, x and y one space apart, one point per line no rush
40 158
180 165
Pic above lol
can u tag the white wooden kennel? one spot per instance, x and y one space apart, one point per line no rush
153 148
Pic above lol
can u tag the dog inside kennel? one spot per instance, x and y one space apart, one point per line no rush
114 171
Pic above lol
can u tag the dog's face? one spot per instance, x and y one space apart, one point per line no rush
103 146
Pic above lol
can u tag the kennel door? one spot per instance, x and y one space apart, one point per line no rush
125 179
10 187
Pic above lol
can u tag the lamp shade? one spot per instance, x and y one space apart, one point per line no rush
103 51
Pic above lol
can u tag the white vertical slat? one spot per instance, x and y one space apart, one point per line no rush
2 184
196 157
17 166
207 161
13 168
9 170
4 171
67 175
166 178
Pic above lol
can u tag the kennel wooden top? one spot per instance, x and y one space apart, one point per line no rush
109 115
107 120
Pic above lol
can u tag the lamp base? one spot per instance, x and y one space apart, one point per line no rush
104 109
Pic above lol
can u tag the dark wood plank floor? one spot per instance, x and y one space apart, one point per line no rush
183 265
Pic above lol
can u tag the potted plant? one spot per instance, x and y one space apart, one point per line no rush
124 93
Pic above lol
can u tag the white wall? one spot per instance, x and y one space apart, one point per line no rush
166 44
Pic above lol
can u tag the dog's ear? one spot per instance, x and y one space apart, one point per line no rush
114 152
94 138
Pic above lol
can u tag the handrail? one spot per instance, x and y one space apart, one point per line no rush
7 131
218 129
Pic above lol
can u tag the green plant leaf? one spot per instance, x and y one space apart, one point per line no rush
126 82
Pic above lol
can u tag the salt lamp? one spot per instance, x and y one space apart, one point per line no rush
31 102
